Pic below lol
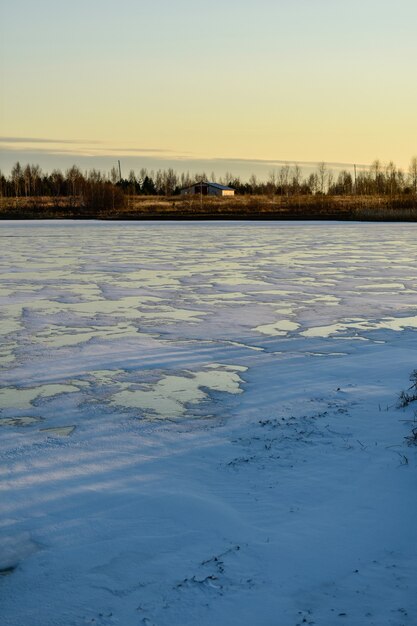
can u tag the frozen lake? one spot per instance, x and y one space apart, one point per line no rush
137 361
148 319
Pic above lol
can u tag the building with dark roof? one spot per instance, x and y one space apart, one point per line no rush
205 188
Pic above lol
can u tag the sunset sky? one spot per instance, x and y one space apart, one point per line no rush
226 85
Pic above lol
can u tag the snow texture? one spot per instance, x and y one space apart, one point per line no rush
199 424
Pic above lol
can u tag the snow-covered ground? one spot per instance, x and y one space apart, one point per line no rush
198 424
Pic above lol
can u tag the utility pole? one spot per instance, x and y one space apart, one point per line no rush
120 172
354 168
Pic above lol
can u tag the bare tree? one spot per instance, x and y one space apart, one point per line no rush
159 182
36 173
330 179
228 177
74 179
170 181
322 177
132 184
114 175
283 178
313 183
296 179
376 172
57 180
17 177
391 177
185 180
253 182
343 184
412 174
271 185
200 177
27 177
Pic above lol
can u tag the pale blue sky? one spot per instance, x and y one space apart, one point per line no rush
187 82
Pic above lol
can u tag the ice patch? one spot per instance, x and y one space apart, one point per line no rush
23 398
279 328
59 431
393 323
19 421
170 396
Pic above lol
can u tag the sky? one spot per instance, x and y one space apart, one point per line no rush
230 85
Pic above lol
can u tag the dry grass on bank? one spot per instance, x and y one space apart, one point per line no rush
379 208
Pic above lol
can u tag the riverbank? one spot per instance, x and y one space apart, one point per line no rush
345 208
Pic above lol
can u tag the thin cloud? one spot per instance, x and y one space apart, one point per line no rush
160 157
46 140
188 156
286 162
165 150
14 144
85 151
32 153
46 151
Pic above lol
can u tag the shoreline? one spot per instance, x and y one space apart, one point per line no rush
242 208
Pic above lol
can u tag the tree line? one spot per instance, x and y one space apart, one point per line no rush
109 190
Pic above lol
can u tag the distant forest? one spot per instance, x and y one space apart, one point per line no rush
109 190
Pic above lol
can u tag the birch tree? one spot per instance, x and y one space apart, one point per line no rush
412 174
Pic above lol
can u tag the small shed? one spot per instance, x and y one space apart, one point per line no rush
205 188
